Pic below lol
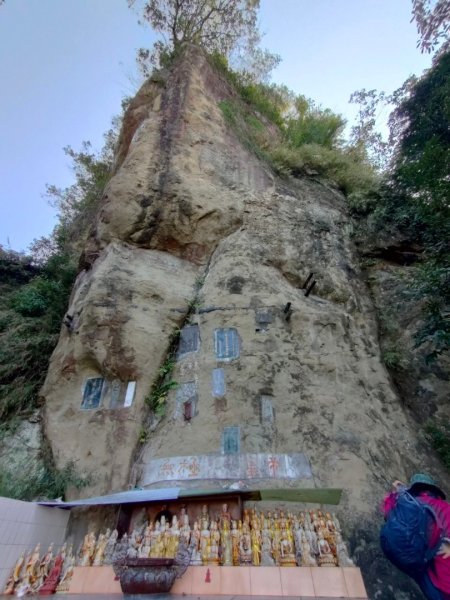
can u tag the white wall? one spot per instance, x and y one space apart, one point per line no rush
22 526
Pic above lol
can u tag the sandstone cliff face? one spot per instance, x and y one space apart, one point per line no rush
194 226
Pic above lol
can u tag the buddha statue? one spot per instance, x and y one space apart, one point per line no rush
144 548
110 545
266 548
246 519
312 540
204 517
185 530
64 582
205 542
100 549
51 581
326 558
213 558
276 539
224 516
287 556
343 558
255 536
87 550
120 549
157 543
226 547
245 546
133 544
235 539
174 540
298 533
15 576
43 568
196 557
308 559
31 569
155 537
329 523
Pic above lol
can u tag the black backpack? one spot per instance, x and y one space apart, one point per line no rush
404 538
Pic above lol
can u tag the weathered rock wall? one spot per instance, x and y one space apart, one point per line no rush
190 207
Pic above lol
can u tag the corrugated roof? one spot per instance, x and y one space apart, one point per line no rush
128 497
311 495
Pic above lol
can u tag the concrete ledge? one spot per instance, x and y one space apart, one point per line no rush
277 582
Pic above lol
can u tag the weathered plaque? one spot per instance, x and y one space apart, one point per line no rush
263 318
230 440
226 342
129 395
227 466
267 413
116 394
92 393
218 383
189 340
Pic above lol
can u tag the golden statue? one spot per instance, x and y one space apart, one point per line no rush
326 558
15 576
226 545
255 536
235 539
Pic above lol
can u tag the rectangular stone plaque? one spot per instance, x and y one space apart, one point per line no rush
226 343
218 383
267 414
116 394
189 340
230 440
129 396
92 393
263 318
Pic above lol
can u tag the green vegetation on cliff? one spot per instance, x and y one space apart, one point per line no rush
34 294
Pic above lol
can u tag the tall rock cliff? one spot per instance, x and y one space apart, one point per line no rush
275 388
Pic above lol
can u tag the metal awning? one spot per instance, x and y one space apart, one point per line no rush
306 495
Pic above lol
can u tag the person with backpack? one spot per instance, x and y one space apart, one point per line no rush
416 534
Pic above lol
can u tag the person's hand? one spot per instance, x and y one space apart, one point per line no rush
397 485
444 550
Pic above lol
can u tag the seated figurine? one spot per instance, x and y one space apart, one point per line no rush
326 558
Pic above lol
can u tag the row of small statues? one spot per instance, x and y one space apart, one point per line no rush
272 538
45 574
307 539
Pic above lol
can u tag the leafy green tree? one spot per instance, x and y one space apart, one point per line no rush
217 26
417 191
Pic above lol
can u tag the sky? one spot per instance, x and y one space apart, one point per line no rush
66 65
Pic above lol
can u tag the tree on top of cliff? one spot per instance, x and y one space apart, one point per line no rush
217 26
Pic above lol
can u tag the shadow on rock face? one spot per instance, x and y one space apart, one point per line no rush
383 581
